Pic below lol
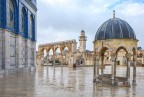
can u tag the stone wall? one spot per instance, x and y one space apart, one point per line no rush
16 51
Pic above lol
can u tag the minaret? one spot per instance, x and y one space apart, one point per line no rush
82 42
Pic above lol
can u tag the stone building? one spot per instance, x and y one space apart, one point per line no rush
72 55
113 36
17 34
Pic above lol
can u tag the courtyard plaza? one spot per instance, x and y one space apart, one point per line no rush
49 81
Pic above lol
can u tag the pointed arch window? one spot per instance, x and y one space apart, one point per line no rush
24 22
31 28
31 22
11 14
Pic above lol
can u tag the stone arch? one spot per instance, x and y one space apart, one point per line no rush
49 49
57 48
103 50
118 50
122 47
64 47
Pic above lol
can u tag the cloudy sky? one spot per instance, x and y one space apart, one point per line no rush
59 20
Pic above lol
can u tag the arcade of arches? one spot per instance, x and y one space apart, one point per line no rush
69 44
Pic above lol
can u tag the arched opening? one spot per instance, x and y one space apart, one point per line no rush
32 28
45 57
58 56
24 23
65 54
45 52
11 15
104 55
50 56
121 62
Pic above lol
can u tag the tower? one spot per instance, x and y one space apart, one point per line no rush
82 41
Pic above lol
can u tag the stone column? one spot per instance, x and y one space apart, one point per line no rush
128 69
134 69
94 66
54 59
115 66
97 68
61 58
47 61
102 65
112 68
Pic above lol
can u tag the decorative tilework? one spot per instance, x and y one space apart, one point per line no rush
0 12
15 21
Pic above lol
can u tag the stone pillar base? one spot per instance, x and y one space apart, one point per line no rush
134 83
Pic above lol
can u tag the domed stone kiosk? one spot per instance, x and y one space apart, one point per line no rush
112 36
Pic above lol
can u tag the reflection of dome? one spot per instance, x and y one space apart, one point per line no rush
115 28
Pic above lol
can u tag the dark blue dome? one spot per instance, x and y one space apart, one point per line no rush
115 28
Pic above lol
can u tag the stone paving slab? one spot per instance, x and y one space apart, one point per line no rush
66 82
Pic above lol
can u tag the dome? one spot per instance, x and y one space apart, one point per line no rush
115 28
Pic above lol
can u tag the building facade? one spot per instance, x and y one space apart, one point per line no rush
17 34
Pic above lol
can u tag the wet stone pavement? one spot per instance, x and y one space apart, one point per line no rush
66 82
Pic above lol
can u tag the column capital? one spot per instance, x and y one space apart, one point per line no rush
113 56
129 56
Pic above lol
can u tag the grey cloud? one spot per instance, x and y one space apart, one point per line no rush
57 23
